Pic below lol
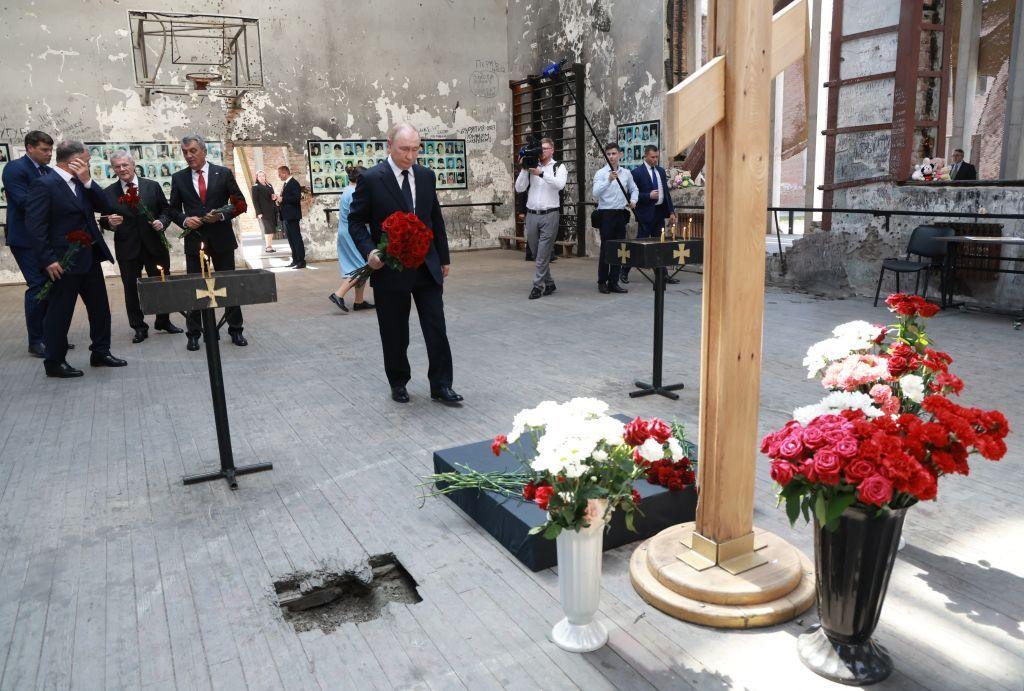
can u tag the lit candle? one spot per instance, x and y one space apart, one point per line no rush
163 278
663 235
689 228
202 260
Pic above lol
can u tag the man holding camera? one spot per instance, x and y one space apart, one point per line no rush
542 178
611 186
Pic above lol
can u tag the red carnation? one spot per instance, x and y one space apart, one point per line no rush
659 430
529 490
499 442
543 495
635 496
79 237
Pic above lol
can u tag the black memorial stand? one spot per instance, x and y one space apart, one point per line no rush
220 289
657 255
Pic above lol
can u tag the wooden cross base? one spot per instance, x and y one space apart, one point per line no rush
771 593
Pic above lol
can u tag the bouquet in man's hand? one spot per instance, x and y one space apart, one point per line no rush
133 201
77 239
404 244
236 206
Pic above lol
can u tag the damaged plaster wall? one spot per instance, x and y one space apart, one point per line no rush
329 71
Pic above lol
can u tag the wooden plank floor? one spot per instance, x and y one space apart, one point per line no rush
114 575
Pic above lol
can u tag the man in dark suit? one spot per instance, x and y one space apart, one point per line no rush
59 203
199 195
398 184
137 240
291 214
17 177
960 169
655 202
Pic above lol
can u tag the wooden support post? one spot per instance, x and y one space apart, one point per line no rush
691 570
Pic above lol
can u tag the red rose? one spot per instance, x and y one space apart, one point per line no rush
529 491
827 466
659 430
813 437
543 495
499 442
927 309
636 432
875 490
782 472
791 448
858 470
846 447
79 237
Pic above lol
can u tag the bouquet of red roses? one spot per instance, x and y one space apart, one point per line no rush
404 244
77 239
133 201
888 430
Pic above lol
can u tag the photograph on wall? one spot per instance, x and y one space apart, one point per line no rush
634 136
330 159
5 157
154 160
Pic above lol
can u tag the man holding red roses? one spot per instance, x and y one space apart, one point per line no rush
398 184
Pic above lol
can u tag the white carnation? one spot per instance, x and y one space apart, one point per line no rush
834 403
912 387
600 456
675 449
851 337
651 450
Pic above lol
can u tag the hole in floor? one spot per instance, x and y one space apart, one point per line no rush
326 600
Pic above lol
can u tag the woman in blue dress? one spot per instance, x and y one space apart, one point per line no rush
349 259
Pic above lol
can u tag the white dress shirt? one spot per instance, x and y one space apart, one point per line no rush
206 177
544 188
133 181
398 178
609 194
70 179
653 173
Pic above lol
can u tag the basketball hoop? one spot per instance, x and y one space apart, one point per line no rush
201 80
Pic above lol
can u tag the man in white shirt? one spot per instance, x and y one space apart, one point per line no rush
543 184
613 208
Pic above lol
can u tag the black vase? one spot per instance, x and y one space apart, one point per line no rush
852 571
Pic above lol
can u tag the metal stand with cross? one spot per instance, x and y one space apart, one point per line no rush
658 255
721 570
221 289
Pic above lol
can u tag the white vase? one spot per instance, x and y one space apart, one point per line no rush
579 586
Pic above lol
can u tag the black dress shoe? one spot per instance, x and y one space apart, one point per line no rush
37 350
623 278
671 280
399 394
549 289
290 266
193 343
300 265
169 328
536 293
364 305
140 335
445 395
601 287
62 371
616 288
105 360
340 302
239 340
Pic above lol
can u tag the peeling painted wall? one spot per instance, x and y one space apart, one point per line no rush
330 70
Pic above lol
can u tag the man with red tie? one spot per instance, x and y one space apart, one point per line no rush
201 197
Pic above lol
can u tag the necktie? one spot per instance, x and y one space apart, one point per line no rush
407 192
956 169
78 186
43 170
202 188
654 178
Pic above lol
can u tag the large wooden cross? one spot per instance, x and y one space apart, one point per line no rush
692 570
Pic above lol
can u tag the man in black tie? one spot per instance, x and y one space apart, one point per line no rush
18 176
201 199
961 170
399 184
291 214
59 204
137 240
654 204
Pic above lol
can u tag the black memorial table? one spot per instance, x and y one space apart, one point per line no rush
186 292
658 255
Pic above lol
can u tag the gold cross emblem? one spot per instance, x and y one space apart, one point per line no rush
681 254
211 292
623 254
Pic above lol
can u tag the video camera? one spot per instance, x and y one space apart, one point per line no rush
529 153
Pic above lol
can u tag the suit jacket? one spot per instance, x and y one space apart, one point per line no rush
966 172
262 202
220 236
53 211
136 232
377 196
18 176
291 201
646 210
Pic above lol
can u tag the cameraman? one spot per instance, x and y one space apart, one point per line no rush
612 208
543 182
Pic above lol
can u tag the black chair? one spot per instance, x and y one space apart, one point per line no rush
924 245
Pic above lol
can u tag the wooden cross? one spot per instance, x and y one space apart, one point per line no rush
691 570
681 254
211 292
623 254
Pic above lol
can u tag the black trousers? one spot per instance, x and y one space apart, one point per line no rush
222 261
393 320
131 270
294 235
63 296
35 278
613 227
646 229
